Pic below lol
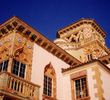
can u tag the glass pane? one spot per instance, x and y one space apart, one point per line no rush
5 65
15 67
84 87
18 68
22 70
77 88
47 85
1 66
81 88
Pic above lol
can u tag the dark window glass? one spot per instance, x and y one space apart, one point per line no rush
1 66
89 56
81 88
4 66
47 86
18 68
15 67
22 70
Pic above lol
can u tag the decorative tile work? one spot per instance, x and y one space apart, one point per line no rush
23 51
16 46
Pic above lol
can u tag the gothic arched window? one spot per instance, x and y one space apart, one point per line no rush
49 89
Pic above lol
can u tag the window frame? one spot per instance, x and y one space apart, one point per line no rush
76 76
47 87
3 66
50 72
19 68
89 57
81 87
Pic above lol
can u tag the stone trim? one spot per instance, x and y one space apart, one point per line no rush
78 74
99 82
50 72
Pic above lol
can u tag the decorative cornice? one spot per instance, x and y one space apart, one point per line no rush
24 29
81 22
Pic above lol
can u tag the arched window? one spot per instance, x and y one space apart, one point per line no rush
49 89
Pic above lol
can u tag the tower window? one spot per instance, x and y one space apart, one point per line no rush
90 57
18 68
4 66
81 88
47 85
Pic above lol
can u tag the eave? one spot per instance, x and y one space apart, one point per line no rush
84 64
27 31
105 59
80 22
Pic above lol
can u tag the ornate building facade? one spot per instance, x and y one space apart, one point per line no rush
76 66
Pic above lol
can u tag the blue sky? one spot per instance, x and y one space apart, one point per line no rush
48 16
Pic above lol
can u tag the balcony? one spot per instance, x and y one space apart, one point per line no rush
16 88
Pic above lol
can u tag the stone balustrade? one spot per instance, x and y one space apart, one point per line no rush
10 83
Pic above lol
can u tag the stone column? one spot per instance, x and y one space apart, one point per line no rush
10 64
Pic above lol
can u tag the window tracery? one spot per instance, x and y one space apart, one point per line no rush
49 88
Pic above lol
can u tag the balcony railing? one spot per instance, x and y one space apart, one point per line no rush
10 83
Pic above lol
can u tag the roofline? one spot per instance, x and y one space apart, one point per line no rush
7 21
39 35
82 21
81 65
105 59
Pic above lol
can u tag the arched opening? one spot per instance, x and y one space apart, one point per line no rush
49 86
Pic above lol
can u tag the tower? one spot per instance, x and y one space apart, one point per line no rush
85 40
